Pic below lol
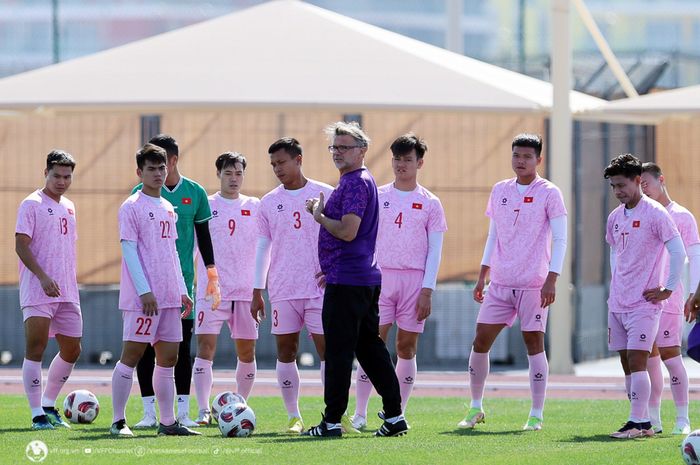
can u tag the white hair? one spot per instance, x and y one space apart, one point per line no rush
352 129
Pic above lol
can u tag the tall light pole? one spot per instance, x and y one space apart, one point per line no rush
55 31
561 164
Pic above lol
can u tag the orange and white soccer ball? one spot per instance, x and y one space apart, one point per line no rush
81 406
690 448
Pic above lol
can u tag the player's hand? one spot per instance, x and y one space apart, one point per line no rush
656 294
692 305
149 303
479 291
187 305
50 287
213 293
548 292
257 306
321 279
425 303
316 207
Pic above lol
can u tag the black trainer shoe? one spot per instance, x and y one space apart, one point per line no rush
120 429
387 429
54 417
40 422
322 430
176 429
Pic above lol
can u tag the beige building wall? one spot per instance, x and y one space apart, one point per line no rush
468 153
677 152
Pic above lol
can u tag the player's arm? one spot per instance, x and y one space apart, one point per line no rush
692 304
344 229
206 250
262 265
676 252
138 277
432 265
25 254
478 293
558 227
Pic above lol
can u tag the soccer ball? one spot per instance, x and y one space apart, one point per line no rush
690 448
226 397
236 420
81 406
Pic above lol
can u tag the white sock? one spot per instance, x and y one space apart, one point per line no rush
149 406
183 406
393 420
682 413
655 415
476 403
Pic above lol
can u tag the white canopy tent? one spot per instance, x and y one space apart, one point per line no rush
281 53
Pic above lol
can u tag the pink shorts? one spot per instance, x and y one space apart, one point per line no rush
165 326
289 316
670 332
502 305
65 317
236 314
398 300
634 330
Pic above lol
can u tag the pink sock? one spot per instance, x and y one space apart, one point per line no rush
363 389
323 372
164 388
203 378
58 374
122 378
639 393
478 371
31 377
656 378
628 385
679 380
406 373
288 381
539 373
245 377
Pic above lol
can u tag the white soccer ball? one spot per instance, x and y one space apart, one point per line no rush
222 399
236 420
690 448
81 406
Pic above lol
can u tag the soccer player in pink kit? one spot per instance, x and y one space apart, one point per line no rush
638 231
288 246
524 253
233 229
667 346
151 293
411 219
45 237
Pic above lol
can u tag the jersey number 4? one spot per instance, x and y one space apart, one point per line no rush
399 220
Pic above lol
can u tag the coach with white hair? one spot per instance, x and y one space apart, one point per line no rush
346 249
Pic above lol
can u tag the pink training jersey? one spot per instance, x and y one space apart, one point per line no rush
294 238
638 242
52 228
405 220
234 232
150 222
688 229
521 255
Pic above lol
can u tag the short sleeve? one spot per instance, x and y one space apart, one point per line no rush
26 217
355 198
688 228
203 212
263 223
128 228
436 219
608 231
665 227
555 204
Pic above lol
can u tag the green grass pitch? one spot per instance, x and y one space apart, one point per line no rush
575 432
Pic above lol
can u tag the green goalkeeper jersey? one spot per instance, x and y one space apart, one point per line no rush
191 206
